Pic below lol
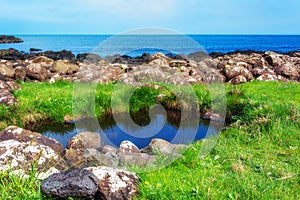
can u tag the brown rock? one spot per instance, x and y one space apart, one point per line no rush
232 72
36 71
64 67
288 70
6 97
6 71
20 73
238 79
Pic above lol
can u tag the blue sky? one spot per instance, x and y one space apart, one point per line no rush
115 16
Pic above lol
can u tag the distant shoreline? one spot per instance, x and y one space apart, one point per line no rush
134 45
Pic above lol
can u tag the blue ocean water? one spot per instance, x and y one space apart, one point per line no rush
135 45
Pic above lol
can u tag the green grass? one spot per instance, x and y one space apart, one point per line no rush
256 157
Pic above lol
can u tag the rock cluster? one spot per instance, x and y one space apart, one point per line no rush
94 171
9 39
234 68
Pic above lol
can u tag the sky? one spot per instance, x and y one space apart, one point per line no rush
116 16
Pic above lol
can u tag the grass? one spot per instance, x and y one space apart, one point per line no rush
256 157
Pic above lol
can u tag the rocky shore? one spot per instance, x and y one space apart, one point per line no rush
96 169
196 68
19 148
9 39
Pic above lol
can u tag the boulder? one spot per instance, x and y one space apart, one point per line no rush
115 183
237 80
13 85
59 55
85 140
21 135
161 146
88 57
20 73
6 97
232 72
11 54
23 155
77 146
71 183
159 56
6 71
36 71
34 50
9 39
178 63
64 67
288 70
43 61
262 70
108 148
128 147
267 77
4 85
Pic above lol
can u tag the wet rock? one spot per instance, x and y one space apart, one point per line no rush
59 55
238 80
198 56
6 97
34 49
115 183
16 155
36 71
21 135
9 39
88 57
64 67
11 54
128 147
71 183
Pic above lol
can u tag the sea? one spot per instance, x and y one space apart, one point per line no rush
136 45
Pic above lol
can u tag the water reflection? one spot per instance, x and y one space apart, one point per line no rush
113 135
